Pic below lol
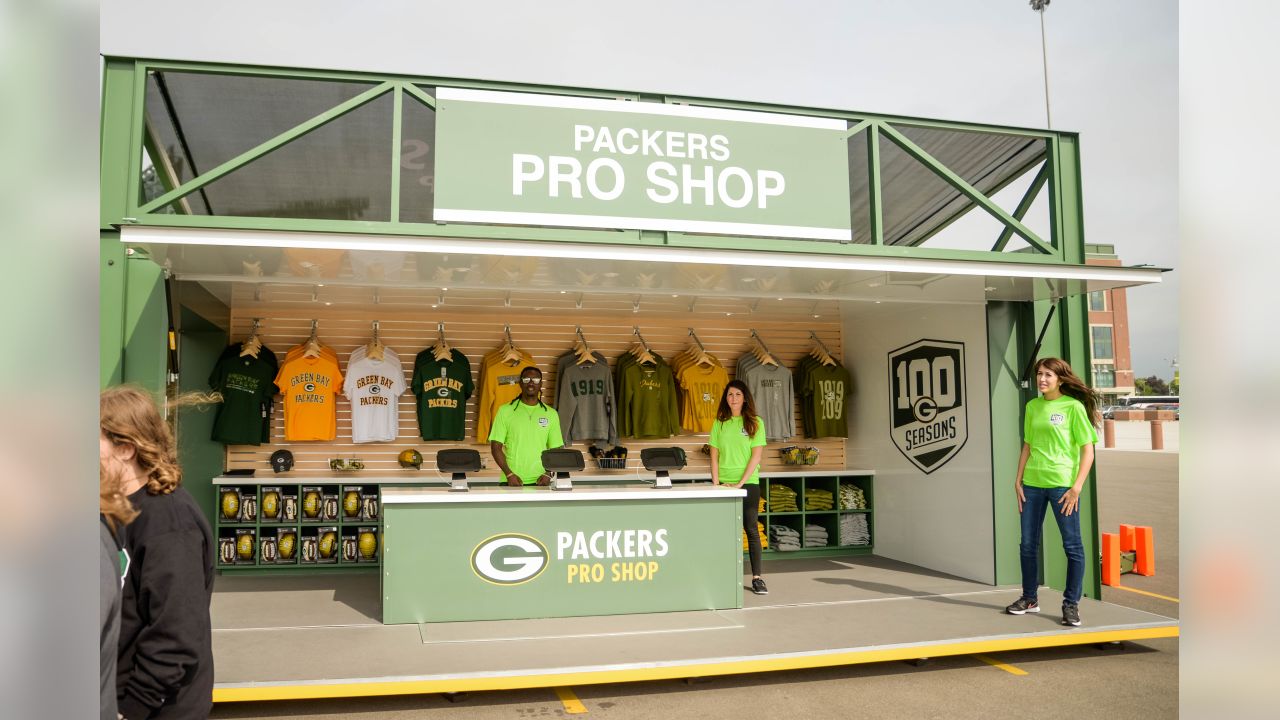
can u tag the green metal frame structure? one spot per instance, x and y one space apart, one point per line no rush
129 294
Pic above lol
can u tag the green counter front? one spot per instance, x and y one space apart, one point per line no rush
506 553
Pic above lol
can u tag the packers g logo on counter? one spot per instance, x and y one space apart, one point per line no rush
509 559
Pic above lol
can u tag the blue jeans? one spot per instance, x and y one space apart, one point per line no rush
1032 524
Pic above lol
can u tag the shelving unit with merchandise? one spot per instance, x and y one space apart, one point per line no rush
313 524
832 514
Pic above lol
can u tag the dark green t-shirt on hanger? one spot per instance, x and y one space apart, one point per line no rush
247 385
442 388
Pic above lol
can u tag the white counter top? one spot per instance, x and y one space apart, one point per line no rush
502 494
431 477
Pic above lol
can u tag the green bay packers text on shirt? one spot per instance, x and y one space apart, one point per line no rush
707 182
624 547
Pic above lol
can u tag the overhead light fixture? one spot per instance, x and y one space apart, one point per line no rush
564 292
989 289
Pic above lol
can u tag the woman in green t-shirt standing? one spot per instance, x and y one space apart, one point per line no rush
737 445
1058 436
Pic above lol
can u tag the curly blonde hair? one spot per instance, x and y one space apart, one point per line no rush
112 502
128 415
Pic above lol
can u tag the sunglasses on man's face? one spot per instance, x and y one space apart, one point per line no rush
530 380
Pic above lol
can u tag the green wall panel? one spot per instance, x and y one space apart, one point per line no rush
111 284
1005 340
146 325
201 458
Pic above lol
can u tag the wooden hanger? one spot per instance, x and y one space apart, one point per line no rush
698 354
820 351
641 349
312 349
252 345
510 353
441 350
583 350
374 350
761 351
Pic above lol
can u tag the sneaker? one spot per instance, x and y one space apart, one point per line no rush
758 587
1023 606
1071 614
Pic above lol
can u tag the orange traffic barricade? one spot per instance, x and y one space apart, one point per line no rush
1111 559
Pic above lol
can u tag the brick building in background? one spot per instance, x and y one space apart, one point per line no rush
1109 332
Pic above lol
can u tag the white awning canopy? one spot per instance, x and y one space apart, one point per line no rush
218 256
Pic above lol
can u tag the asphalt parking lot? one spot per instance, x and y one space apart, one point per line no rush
1133 680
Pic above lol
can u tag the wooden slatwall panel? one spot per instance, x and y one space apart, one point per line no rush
546 333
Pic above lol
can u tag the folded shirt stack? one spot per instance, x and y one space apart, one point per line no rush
764 538
815 536
762 505
852 497
782 499
784 538
853 530
817 499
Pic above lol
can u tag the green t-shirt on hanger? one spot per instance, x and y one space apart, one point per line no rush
442 389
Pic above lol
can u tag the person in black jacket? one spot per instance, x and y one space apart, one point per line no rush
165 661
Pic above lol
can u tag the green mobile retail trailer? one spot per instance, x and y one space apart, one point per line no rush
486 212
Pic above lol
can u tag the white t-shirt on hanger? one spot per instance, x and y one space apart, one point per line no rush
374 388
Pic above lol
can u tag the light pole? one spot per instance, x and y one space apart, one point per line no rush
1038 6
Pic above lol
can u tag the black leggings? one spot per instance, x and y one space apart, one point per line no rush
750 515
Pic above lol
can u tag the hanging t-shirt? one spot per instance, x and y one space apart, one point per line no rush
442 388
1055 430
584 399
734 446
648 400
499 385
702 388
774 394
310 388
247 385
826 389
374 388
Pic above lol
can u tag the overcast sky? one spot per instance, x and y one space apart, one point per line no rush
1112 75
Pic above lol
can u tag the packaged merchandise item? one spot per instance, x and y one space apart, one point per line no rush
227 550
248 505
367 544
349 553
329 505
288 505
312 502
267 549
351 503
327 544
269 508
229 503
369 504
287 545
245 542
310 549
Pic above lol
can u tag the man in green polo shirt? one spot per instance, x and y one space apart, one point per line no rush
522 429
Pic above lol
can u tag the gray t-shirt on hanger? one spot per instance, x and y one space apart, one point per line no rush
774 392
585 401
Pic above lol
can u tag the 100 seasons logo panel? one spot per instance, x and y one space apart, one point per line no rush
927 402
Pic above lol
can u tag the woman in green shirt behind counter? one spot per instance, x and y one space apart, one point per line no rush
737 445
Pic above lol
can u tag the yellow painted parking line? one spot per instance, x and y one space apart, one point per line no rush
1003 666
572 705
1143 592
